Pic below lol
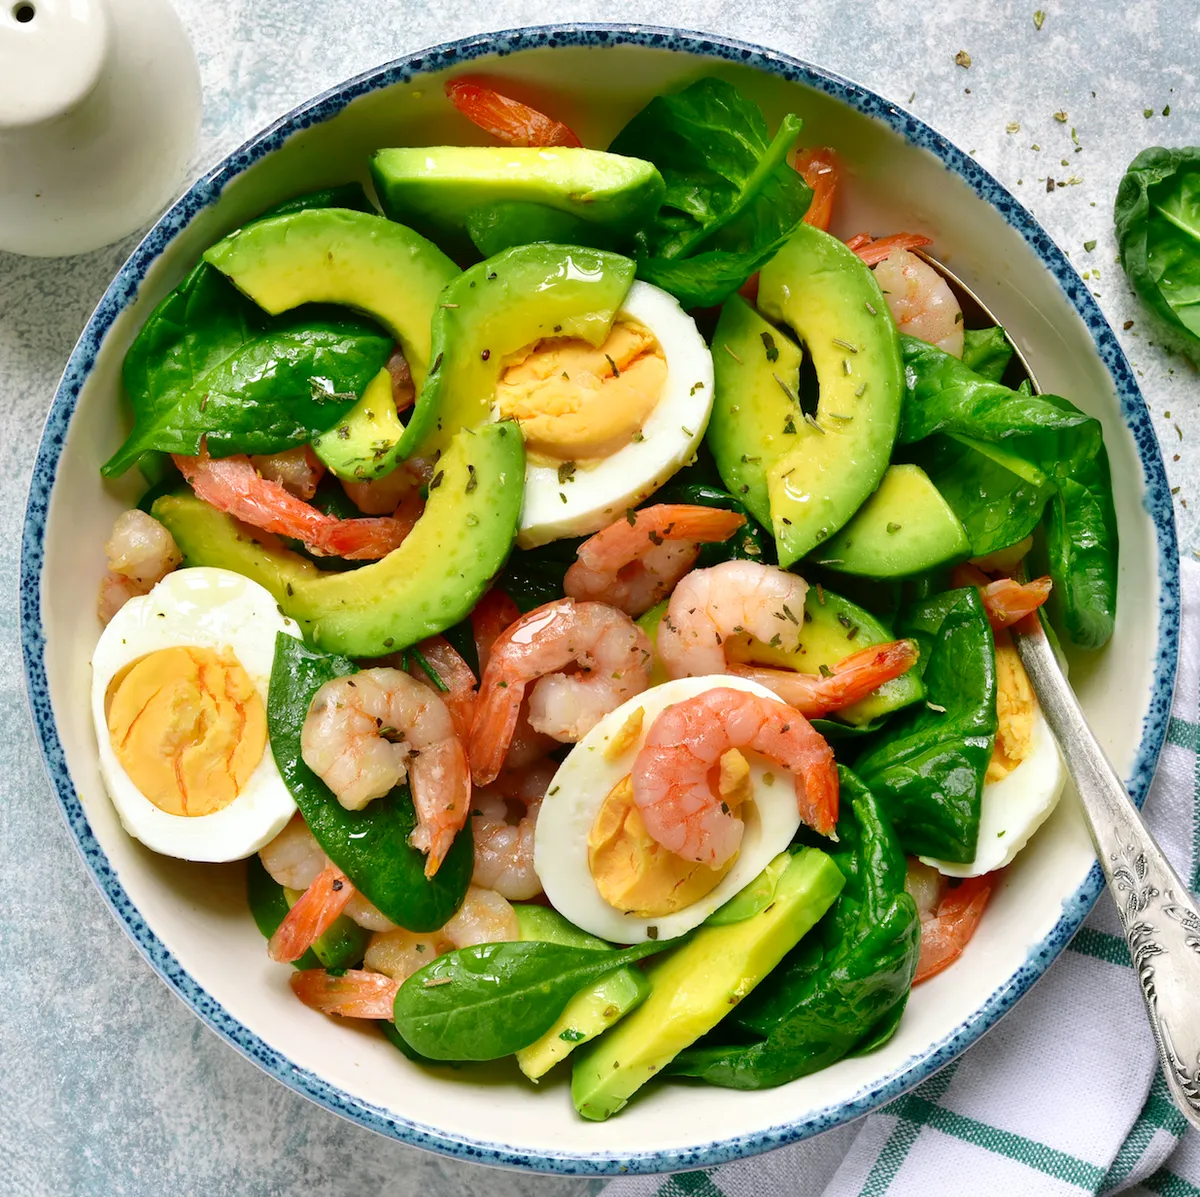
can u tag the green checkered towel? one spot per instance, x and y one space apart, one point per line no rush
1063 1097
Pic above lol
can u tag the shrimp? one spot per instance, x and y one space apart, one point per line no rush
356 993
232 485
503 849
494 613
437 666
313 914
949 916
921 301
613 655
484 917
345 741
815 695
293 858
636 562
872 250
820 168
672 773
140 553
298 471
507 120
1005 600
710 605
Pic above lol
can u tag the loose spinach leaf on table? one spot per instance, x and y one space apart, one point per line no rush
370 845
843 987
1157 214
1058 441
729 190
490 1000
926 767
987 351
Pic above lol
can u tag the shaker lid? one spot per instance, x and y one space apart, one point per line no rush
52 53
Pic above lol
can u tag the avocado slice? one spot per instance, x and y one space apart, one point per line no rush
756 415
833 628
365 443
499 307
591 1011
335 255
830 299
904 528
500 196
693 987
421 588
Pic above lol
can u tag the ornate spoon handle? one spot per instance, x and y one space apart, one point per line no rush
1159 916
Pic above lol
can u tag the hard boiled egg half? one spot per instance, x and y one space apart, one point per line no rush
607 425
1025 777
600 868
179 697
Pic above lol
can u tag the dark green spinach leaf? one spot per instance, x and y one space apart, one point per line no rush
841 989
987 351
729 189
926 767
490 1000
1157 214
370 845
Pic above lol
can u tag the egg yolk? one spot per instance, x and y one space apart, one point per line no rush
637 875
580 402
1015 708
189 728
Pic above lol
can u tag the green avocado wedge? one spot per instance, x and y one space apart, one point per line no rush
370 845
427 584
501 306
508 195
364 445
829 298
694 987
336 255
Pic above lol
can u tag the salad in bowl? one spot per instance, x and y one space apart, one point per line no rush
575 583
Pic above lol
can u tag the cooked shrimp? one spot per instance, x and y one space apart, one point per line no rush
921 301
313 915
494 613
850 680
345 741
293 858
484 917
298 471
672 773
356 993
820 168
1006 600
140 552
510 121
503 848
401 953
634 563
710 605
452 679
872 250
233 485
949 916
613 655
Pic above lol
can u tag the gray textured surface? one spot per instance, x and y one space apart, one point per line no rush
108 1085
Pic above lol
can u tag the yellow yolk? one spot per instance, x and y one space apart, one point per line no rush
1015 708
579 402
189 728
637 875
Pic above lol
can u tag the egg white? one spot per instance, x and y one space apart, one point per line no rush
600 493
208 608
587 777
1014 807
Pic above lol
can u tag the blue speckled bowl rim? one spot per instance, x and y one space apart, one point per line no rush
121 293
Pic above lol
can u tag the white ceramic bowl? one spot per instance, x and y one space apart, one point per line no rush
191 921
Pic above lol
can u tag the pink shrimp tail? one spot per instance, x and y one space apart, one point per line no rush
355 994
1005 600
233 485
439 772
313 915
455 675
492 616
873 250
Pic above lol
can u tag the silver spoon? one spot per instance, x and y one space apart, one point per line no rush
1159 916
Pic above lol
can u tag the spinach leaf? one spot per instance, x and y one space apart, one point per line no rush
370 845
987 351
997 505
276 390
490 1000
841 989
927 766
729 188
1157 214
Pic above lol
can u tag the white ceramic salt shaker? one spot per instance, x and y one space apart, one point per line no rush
99 112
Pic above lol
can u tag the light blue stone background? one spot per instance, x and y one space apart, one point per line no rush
108 1085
